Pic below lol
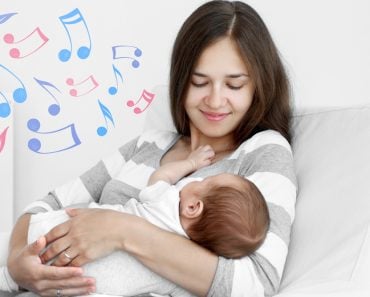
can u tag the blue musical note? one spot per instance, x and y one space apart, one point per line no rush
53 109
120 52
50 140
4 107
74 18
113 89
19 94
107 115
5 17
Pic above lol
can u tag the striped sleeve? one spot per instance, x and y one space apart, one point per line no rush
267 160
89 186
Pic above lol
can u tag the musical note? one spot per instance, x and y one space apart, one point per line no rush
107 115
113 89
36 37
147 99
120 52
19 94
75 18
54 141
89 84
3 138
5 17
53 109
4 107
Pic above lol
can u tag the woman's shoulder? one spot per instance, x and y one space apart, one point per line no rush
264 140
162 138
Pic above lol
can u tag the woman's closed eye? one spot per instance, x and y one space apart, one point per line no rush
235 87
199 84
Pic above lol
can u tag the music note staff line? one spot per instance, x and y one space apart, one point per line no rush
26 46
72 22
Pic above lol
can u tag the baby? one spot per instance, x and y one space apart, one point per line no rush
224 213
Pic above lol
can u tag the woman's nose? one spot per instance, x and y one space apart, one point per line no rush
215 99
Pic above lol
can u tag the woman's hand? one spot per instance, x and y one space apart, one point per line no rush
26 269
88 235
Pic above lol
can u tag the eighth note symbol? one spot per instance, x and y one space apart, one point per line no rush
89 84
19 94
142 104
76 19
107 115
55 141
36 37
113 89
53 109
120 52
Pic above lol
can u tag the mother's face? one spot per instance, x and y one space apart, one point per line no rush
221 90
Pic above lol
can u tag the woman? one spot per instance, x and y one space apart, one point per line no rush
228 89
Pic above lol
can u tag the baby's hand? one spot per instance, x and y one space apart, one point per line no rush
201 157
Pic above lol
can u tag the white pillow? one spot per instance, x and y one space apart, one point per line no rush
330 231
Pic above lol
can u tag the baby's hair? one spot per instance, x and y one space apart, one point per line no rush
234 222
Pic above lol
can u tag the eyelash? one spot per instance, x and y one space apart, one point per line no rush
204 84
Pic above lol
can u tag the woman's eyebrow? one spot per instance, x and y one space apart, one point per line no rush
199 74
236 75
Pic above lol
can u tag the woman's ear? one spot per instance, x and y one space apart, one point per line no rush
193 209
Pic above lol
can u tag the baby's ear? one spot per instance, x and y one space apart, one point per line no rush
193 209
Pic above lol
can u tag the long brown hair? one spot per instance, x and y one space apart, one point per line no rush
210 22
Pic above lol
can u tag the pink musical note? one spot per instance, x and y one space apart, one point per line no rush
54 141
28 45
113 89
124 52
87 85
101 131
3 139
144 101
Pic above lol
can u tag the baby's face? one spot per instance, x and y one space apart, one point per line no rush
199 189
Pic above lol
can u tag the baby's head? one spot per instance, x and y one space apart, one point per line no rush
225 213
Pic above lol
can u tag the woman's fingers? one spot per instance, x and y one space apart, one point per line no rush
65 257
57 243
68 286
57 232
68 292
57 273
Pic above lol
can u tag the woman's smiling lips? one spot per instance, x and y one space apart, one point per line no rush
213 116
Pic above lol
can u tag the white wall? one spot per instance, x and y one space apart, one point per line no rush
325 44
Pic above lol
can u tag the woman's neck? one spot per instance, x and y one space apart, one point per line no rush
221 145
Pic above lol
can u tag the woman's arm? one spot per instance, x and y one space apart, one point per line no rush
25 267
171 256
